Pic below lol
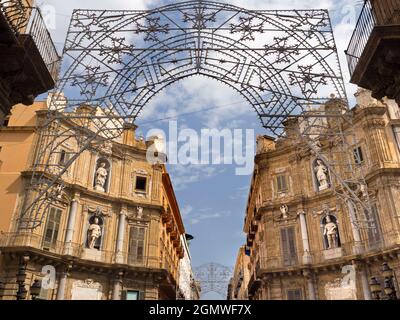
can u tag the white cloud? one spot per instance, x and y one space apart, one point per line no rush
186 210
183 176
207 214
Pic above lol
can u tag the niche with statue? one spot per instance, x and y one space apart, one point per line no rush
102 175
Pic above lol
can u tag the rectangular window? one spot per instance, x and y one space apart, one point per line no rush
358 156
294 294
281 184
6 121
52 228
141 184
136 245
374 227
132 295
288 243
64 158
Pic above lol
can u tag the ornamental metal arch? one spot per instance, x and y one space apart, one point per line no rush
213 278
283 62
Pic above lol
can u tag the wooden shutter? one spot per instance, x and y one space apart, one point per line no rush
136 244
288 242
52 228
374 230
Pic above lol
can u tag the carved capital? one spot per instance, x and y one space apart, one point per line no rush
374 124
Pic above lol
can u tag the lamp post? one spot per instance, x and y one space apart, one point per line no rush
375 288
389 287
35 289
389 290
21 277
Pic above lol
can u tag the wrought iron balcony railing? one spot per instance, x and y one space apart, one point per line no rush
39 243
26 20
373 14
346 251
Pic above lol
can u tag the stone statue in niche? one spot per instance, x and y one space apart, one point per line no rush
101 176
322 175
94 233
284 211
331 233
139 212
364 190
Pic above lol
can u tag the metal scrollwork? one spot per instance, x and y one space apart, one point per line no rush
116 61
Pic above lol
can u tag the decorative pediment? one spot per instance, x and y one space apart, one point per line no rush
284 215
141 171
325 210
138 215
88 283
97 211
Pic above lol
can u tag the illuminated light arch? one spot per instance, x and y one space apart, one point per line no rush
283 62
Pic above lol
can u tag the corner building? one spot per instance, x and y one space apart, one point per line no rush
300 238
113 233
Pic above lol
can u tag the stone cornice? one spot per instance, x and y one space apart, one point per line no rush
115 199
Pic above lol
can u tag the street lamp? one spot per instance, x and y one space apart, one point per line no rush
375 288
21 276
388 287
35 289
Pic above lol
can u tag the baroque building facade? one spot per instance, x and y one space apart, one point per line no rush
241 275
114 232
302 242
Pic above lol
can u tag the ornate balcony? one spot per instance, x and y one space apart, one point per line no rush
374 50
29 61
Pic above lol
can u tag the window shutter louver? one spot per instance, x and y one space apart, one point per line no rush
288 242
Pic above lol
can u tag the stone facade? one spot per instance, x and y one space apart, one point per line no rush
113 233
302 242
239 282
189 289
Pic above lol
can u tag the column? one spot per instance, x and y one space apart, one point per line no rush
308 274
355 229
62 283
117 289
365 283
304 237
69 234
119 258
267 281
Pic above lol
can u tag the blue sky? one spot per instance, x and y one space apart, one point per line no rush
212 198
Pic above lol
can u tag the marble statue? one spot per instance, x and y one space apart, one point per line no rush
284 210
321 172
139 212
101 176
331 232
364 190
94 232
